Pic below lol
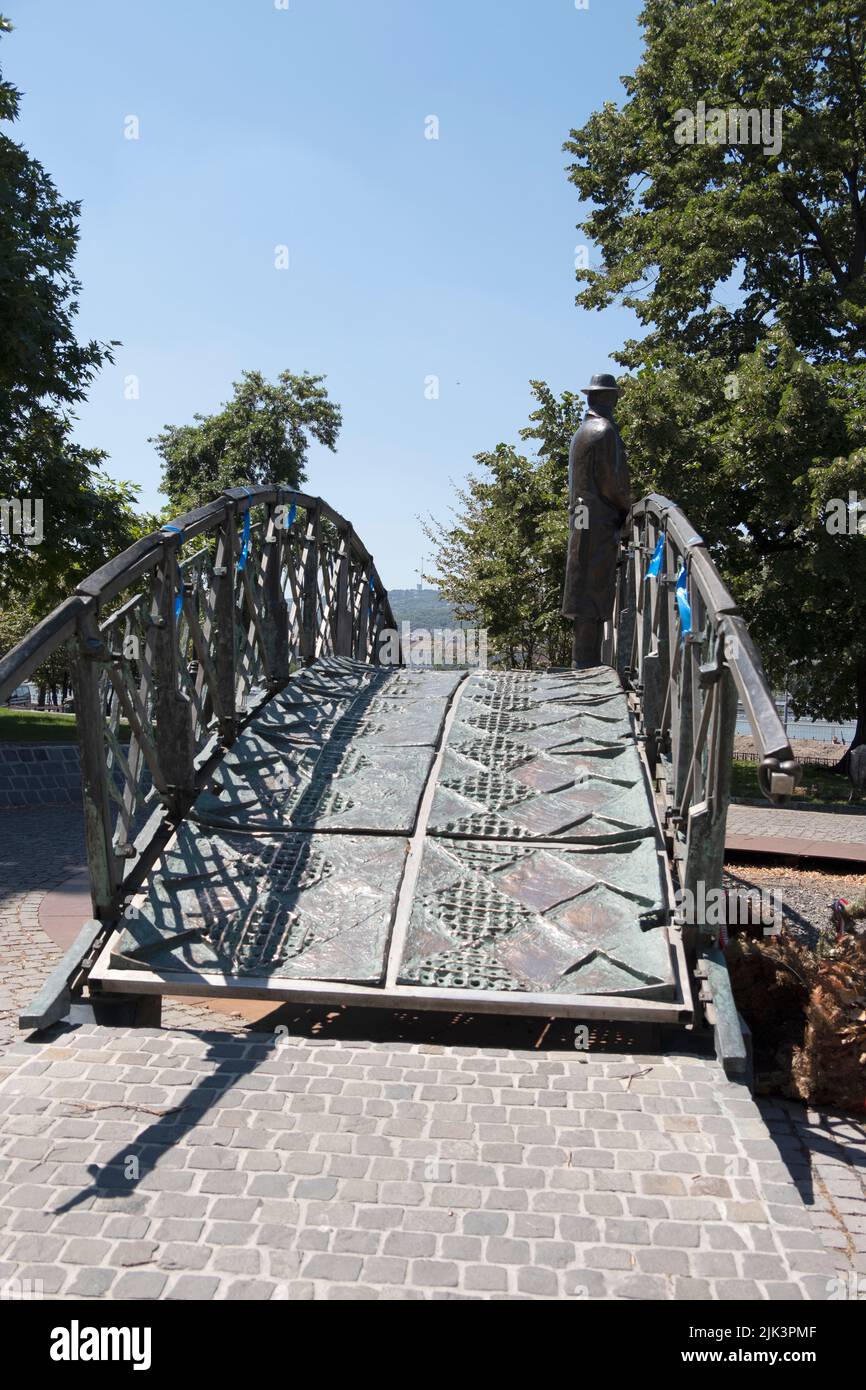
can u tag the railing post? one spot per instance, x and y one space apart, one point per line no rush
656 661
310 595
362 638
105 868
172 708
705 824
224 622
275 611
683 715
625 610
343 630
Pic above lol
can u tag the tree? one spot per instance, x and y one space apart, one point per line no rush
501 562
261 435
44 371
41 363
81 516
745 261
784 230
17 617
767 478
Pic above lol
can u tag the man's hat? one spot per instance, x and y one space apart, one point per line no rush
602 381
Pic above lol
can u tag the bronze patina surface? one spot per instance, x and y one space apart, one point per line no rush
337 750
552 920
296 906
536 865
542 756
599 497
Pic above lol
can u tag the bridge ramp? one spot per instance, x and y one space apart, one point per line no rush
419 839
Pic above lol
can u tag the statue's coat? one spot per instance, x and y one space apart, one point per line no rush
598 480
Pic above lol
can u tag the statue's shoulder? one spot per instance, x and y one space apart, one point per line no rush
593 430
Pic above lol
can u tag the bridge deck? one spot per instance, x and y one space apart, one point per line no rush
419 839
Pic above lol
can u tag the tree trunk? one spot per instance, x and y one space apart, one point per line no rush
860 728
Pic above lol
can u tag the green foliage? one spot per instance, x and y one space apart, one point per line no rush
17 617
501 562
749 413
674 222
41 363
86 517
755 475
44 371
261 435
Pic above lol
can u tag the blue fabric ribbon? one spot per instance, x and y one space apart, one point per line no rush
245 537
372 586
655 564
682 596
293 512
178 603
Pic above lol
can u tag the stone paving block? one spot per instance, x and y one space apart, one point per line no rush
191 1286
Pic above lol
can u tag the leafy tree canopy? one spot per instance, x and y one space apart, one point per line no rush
764 476
784 231
261 435
84 517
744 259
41 362
501 561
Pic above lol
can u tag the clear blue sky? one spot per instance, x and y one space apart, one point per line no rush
262 126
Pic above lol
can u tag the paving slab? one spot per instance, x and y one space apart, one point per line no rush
785 831
430 1150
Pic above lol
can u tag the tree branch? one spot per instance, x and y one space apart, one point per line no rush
794 201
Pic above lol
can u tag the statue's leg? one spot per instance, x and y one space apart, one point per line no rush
586 648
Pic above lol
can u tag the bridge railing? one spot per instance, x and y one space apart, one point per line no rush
682 648
179 639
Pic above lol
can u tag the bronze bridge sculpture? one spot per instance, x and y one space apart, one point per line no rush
270 813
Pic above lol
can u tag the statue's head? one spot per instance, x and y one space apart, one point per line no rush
602 393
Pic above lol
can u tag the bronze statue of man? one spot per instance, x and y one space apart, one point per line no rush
599 499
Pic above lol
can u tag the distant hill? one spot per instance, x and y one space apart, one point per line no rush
422 608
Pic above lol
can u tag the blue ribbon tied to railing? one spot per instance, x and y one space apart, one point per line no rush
683 604
655 564
178 603
292 513
245 535
372 587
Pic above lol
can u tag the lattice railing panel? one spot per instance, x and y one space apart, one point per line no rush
180 639
681 646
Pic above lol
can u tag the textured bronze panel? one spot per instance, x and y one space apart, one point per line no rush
540 757
300 906
339 749
565 920
540 870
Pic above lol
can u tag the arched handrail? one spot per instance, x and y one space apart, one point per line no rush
683 649
180 638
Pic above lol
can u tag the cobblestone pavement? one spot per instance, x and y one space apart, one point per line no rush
773 822
192 1162
39 848
148 1164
